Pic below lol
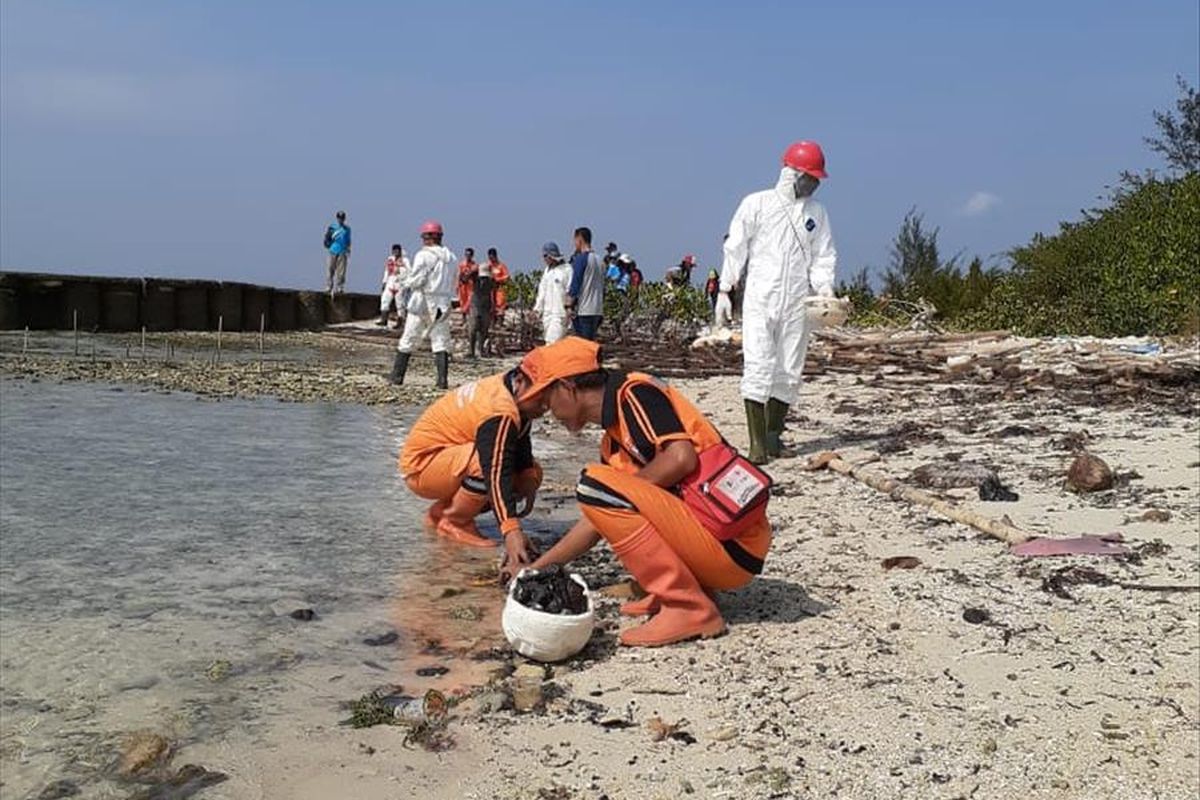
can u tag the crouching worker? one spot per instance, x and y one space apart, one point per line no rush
682 510
471 450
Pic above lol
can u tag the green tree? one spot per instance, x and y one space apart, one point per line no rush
1179 136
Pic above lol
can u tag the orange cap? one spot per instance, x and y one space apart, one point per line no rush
563 359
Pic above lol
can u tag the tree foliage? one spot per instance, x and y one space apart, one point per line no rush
1179 134
1131 267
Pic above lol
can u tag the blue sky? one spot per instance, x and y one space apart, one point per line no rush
215 139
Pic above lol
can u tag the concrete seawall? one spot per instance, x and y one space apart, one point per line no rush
43 301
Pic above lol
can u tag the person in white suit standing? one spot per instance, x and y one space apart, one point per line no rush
780 251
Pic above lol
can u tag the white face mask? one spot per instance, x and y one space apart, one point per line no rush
805 185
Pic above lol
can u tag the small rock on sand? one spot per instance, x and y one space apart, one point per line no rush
143 752
1089 473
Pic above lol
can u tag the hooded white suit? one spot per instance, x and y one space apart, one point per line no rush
783 248
551 294
431 281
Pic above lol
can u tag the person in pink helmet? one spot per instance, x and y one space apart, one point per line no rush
430 281
779 251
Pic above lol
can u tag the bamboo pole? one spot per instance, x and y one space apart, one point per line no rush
75 327
143 344
220 327
25 342
890 486
262 329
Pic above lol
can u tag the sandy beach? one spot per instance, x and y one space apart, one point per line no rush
970 674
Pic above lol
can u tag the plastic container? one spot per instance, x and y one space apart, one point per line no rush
542 636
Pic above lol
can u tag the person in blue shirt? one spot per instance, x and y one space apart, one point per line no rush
586 294
337 242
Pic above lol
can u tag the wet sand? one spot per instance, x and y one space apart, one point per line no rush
838 677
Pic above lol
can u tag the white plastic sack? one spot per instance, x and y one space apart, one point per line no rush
542 636
826 312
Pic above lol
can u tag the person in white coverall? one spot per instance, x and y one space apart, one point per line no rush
780 251
552 292
394 272
430 280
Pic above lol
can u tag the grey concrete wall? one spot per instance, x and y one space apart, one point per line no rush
44 301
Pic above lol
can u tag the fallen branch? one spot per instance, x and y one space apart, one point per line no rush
890 486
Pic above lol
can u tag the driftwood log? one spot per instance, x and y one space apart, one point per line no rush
1003 531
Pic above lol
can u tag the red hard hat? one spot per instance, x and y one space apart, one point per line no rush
431 226
805 157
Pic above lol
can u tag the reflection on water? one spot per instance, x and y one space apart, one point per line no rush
153 547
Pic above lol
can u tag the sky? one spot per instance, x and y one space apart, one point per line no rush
216 139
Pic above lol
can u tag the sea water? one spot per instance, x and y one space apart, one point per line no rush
154 545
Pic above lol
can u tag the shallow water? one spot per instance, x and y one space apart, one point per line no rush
152 547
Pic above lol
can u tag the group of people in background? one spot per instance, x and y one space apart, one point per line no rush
423 292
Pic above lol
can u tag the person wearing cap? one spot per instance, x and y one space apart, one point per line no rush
337 243
681 276
779 251
552 293
653 441
471 450
430 280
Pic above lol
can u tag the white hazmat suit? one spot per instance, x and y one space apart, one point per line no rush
430 280
393 283
780 249
551 294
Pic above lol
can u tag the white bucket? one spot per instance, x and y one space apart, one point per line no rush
542 636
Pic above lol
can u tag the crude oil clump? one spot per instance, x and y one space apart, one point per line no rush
551 590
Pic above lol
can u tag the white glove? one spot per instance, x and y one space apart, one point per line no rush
723 313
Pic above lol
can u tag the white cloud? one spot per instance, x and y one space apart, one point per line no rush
979 204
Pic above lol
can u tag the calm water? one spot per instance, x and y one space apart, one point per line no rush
152 546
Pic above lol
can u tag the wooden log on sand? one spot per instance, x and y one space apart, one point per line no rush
1003 531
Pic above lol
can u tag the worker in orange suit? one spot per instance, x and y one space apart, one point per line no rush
653 437
471 450
468 272
500 282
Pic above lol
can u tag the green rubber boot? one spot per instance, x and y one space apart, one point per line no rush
776 414
756 422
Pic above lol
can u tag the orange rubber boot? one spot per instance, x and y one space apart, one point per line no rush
458 519
686 611
434 515
640 608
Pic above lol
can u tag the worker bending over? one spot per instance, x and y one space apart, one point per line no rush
470 450
658 453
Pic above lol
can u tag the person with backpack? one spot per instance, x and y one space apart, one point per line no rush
337 243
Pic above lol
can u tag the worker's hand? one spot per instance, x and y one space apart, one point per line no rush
723 313
519 553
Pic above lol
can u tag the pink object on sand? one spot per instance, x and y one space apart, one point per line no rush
1107 544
